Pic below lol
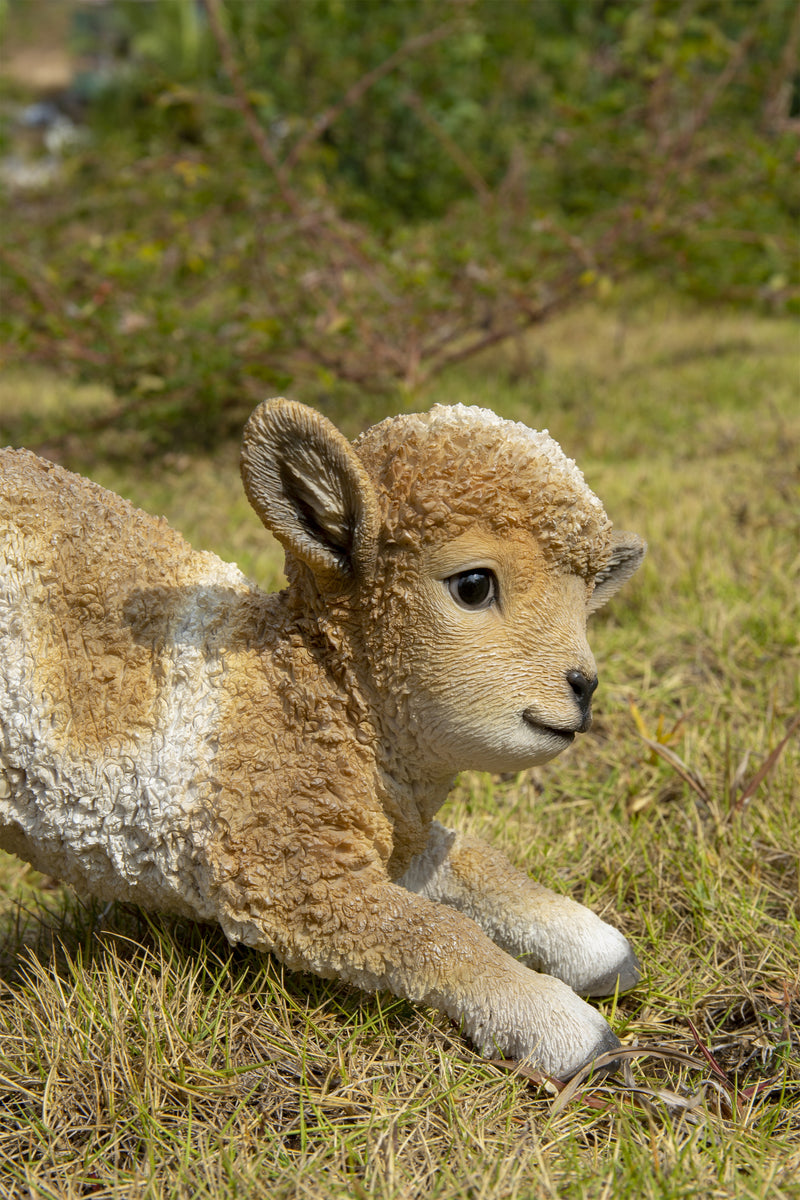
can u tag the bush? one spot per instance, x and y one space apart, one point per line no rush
286 195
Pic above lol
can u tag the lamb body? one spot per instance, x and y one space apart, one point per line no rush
173 736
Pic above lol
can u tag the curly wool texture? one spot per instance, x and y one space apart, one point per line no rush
457 465
171 735
107 687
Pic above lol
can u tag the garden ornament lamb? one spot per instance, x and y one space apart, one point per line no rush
171 735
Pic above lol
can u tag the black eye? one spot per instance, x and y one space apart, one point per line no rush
474 589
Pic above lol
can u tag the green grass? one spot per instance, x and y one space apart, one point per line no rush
141 1057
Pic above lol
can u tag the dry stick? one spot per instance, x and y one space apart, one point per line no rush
356 90
736 1095
709 1057
769 762
695 781
571 1089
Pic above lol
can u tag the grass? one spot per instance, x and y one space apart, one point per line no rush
141 1057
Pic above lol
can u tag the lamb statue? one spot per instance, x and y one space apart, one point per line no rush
172 736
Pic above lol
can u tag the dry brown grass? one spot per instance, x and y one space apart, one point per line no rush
146 1058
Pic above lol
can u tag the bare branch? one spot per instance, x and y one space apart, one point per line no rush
361 86
726 76
216 20
451 148
779 100
525 317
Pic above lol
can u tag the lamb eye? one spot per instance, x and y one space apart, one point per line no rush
473 589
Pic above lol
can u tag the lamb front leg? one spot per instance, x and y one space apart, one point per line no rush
376 935
547 932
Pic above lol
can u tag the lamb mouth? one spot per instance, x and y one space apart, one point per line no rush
567 734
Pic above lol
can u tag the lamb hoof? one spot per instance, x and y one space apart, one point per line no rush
609 1041
622 977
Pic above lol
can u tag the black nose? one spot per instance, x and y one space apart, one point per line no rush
584 690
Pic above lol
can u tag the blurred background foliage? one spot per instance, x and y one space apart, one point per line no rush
344 199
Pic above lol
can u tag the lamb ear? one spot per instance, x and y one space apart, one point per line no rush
627 552
310 489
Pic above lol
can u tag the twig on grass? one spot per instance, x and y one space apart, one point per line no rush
696 781
749 789
731 1102
738 1099
566 1090
570 1090
692 778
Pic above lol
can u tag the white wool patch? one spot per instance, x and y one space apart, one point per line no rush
532 442
127 820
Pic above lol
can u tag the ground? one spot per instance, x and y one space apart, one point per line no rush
141 1057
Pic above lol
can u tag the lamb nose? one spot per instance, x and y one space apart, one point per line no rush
583 689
